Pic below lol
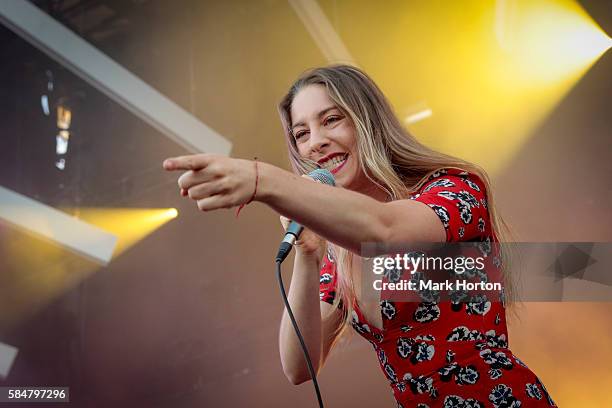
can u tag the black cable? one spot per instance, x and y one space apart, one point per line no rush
313 375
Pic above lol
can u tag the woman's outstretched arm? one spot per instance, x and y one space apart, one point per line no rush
339 215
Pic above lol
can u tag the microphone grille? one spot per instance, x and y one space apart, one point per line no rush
324 176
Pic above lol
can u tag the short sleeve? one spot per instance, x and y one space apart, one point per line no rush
327 280
459 199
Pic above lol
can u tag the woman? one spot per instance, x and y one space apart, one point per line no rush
393 190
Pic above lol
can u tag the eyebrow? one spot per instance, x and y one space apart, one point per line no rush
319 115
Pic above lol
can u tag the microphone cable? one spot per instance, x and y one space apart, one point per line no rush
293 231
313 375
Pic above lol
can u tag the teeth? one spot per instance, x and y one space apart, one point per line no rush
334 162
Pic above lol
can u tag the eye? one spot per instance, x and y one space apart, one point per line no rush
299 134
331 119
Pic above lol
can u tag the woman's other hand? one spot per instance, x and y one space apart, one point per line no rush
309 244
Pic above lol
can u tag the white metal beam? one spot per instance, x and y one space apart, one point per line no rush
47 222
106 75
7 356
322 31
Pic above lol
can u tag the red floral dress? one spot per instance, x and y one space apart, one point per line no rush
444 353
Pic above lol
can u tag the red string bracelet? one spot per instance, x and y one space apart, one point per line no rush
254 191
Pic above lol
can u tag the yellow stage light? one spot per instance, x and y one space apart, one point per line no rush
550 41
491 72
169 213
129 224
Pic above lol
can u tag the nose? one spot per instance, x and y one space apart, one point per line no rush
318 140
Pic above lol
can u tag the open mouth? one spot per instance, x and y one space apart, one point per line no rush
335 164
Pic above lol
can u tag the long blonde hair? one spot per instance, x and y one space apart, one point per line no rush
389 156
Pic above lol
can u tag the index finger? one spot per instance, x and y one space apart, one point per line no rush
190 162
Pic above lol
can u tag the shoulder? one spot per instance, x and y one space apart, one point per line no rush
453 178
459 199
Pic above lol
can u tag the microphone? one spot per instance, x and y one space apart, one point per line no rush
294 229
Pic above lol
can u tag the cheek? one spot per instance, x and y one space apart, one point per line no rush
354 174
302 149
354 165
348 139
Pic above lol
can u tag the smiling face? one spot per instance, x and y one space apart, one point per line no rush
323 133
